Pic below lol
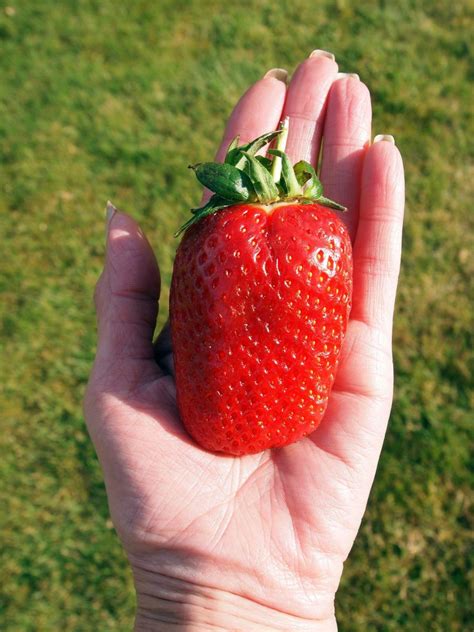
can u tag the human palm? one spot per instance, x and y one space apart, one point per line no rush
264 536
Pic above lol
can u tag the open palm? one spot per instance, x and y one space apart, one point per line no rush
263 537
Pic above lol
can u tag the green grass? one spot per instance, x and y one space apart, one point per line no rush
104 99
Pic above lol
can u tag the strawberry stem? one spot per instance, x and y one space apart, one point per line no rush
245 177
280 146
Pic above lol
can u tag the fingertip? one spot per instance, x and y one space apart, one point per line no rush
347 132
384 137
319 56
267 90
383 180
347 75
377 248
314 69
120 223
280 74
258 111
353 86
306 106
349 114
384 145
125 239
130 262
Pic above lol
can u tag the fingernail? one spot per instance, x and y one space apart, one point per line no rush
353 75
386 137
277 73
322 53
110 211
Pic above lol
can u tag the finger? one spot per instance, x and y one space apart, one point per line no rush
345 139
127 296
306 105
258 111
361 398
377 247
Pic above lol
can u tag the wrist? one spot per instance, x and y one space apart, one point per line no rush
170 603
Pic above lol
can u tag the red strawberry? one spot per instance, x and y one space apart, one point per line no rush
260 300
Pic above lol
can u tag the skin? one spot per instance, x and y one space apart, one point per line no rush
256 542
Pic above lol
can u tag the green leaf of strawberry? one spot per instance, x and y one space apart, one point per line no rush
229 183
262 182
245 176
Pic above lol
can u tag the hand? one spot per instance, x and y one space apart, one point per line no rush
256 542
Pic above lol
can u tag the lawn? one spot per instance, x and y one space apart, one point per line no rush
102 99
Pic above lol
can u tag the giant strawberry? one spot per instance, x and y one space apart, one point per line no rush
260 300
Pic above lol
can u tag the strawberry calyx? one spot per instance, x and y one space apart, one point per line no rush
245 177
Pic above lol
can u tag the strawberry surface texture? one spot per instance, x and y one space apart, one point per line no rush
259 305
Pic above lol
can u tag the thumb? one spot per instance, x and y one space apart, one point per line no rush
126 297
